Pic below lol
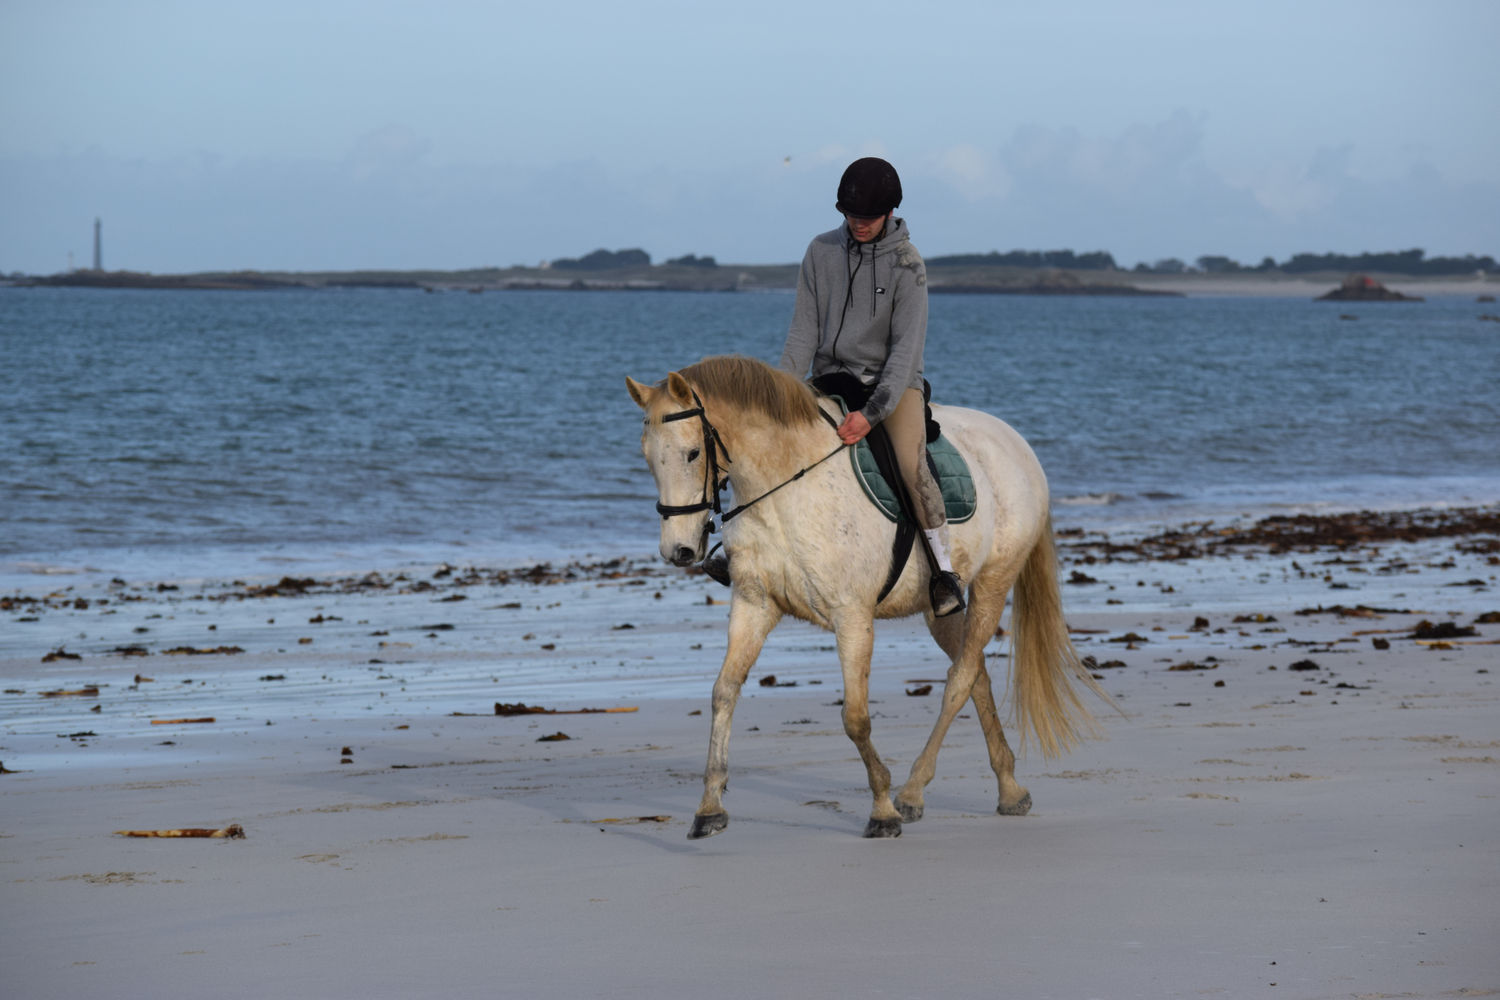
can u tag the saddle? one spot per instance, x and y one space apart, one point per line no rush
874 464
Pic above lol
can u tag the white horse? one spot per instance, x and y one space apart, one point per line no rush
820 551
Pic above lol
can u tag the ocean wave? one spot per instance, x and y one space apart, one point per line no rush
1091 500
24 568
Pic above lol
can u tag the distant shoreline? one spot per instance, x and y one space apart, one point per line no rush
992 280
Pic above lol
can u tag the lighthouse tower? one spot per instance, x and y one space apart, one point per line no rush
98 246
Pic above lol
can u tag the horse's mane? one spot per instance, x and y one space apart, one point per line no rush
754 385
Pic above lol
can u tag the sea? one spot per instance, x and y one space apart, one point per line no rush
205 434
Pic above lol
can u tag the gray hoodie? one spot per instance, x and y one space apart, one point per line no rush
861 308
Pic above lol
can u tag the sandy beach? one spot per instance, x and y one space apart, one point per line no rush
1299 800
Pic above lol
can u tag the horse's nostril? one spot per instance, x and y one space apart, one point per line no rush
683 556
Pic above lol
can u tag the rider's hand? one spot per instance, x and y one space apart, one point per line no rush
854 428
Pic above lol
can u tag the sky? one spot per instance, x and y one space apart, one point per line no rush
334 135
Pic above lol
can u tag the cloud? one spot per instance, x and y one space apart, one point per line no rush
1141 157
1135 192
1322 204
1150 191
1291 191
972 172
1064 164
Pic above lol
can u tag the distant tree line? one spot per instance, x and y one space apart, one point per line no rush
693 260
1062 259
604 260
1397 262
1414 262
616 260
1211 264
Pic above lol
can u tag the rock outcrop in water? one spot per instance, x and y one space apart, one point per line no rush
1363 288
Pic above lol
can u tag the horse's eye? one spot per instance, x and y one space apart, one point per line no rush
693 455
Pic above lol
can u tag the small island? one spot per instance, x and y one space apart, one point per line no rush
1363 288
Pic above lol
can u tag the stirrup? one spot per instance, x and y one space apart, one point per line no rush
946 592
716 567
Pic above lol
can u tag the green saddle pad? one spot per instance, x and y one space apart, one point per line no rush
952 475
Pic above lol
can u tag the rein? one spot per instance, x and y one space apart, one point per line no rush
712 445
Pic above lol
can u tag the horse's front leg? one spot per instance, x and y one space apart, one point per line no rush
856 640
750 621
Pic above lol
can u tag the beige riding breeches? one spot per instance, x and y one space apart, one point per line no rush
907 426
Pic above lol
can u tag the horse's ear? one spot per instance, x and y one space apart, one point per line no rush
640 393
678 388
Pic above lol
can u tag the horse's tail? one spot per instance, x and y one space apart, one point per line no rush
1044 663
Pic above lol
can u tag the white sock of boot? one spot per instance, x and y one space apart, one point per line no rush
939 550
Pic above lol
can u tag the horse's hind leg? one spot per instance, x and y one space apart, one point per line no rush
749 624
964 642
856 640
1014 799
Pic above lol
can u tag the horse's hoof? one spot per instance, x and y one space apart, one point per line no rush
1020 808
909 813
707 826
882 828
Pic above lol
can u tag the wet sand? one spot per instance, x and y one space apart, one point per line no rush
1300 800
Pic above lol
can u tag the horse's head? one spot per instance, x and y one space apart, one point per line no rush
679 447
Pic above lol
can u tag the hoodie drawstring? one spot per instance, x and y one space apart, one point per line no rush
853 272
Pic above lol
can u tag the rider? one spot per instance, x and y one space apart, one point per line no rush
862 309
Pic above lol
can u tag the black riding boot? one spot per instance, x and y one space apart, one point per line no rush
717 567
946 592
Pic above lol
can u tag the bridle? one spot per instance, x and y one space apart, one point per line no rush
712 445
714 481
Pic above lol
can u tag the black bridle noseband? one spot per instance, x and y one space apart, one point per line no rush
712 445
714 482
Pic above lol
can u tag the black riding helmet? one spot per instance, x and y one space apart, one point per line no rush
869 187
